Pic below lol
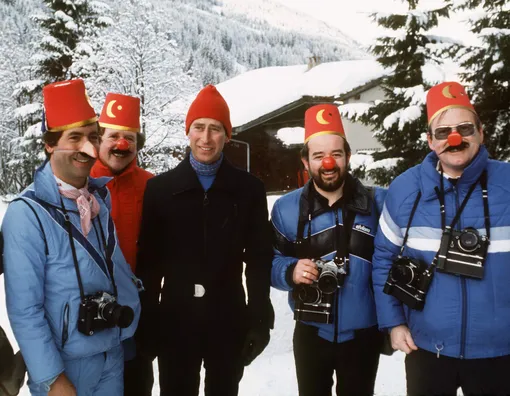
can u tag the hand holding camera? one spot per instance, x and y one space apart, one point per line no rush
305 272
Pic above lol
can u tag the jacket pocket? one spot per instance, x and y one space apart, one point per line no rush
65 325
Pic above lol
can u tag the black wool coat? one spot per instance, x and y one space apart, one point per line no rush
191 237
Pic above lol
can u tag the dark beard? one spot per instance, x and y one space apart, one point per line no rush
329 186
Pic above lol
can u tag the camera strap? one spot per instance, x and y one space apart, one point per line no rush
409 222
68 224
485 197
342 245
108 249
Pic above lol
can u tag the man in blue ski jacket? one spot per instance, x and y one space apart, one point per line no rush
441 263
71 296
324 240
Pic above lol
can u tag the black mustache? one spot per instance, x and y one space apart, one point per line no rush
461 146
116 151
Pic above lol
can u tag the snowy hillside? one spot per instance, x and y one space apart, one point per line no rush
286 18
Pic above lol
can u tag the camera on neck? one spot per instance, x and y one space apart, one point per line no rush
409 281
314 303
463 252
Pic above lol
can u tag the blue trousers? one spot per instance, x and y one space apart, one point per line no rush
98 375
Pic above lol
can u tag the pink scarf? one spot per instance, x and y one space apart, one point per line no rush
87 206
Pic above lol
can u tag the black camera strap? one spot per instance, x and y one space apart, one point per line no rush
107 256
342 245
409 222
441 196
485 197
67 222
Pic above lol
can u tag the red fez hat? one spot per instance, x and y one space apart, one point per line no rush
121 112
323 119
66 106
209 104
444 96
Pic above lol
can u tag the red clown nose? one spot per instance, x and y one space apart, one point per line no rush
454 139
122 145
328 163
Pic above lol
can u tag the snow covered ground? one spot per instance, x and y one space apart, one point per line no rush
273 372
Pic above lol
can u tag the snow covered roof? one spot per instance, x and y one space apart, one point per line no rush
258 92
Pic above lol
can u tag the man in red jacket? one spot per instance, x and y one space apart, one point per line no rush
121 140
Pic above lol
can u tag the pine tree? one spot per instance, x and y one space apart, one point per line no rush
488 72
62 29
400 120
152 70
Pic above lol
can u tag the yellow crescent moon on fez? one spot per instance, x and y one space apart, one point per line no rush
447 93
320 118
109 112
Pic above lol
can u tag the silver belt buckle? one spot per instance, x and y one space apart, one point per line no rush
199 291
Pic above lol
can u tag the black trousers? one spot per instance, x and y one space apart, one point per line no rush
138 377
181 361
428 375
355 362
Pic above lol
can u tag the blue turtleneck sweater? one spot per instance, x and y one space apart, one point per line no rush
206 172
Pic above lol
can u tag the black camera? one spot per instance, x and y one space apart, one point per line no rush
314 303
408 281
101 311
463 253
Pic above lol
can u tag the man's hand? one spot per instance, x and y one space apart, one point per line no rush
401 339
305 272
62 387
256 341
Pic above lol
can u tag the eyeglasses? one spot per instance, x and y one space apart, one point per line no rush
464 129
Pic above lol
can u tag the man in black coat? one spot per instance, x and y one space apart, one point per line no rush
201 221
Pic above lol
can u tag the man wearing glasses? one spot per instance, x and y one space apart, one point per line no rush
441 263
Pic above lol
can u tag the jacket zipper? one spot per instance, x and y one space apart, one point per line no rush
205 205
464 293
337 299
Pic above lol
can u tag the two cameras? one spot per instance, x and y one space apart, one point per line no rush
314 303
460 253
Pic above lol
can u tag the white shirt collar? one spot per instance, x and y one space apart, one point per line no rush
62 185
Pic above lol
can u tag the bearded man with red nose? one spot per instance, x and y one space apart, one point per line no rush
441 263
121 140
71 297
324 240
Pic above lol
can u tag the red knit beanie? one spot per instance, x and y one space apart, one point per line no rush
209 104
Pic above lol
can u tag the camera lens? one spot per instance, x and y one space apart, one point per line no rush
468 240
117 315
309 295
402 274
327 282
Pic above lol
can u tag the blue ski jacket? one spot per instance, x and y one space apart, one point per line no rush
463 317
41 286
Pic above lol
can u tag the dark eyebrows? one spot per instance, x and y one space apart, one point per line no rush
337 151
75 133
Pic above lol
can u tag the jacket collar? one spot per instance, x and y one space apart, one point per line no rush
356 198
188 179
46 189
430 177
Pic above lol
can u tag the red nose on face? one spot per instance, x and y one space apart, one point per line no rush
454 139
328 163
122 145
